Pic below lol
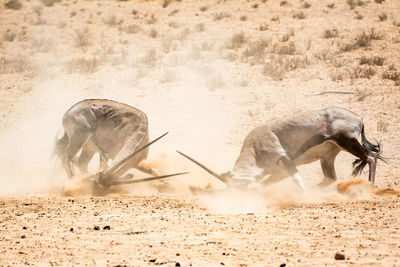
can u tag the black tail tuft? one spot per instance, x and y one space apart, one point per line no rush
359 164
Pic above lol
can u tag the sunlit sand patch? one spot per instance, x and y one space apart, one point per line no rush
355 189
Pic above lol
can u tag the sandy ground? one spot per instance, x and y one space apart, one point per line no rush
207 72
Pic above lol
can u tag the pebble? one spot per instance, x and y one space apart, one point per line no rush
96 228
339 256
107 227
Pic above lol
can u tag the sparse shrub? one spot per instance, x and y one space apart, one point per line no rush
299 15
151 20
15 65
330 33
382 17
361 94
263 27
255 53
323 55
236 40
359 72
153 33
112 20
276 18
331 5
50 2
82 38
199 27
13 4
362 40
358 16
9 35
391 75
286 49
83 65
306 5
166 3
220 15
337 75
254 5
354 3
133 28
283 3
379 1
376 60
243 18
278 66
203 8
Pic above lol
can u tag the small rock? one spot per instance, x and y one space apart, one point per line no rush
23 236
152 260
282 265
177 264
24 228
107 227
71 229
339 255
96 228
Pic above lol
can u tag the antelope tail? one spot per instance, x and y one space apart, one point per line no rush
359 164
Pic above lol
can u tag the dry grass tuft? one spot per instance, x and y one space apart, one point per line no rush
331 5
360 72
299 15
354 3
330 33
278 66
255 53
382 17
392 75
362 40
112 20
13 4
50 2
133 28
153 33
15 65
263 27
220 15
361 94
376 60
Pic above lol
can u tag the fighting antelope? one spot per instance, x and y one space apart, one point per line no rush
272 151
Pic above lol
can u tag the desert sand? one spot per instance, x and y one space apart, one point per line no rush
207 72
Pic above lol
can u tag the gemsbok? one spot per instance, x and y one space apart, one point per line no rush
118 132
272 151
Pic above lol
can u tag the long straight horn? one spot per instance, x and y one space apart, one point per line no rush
216 175
119 164
133 181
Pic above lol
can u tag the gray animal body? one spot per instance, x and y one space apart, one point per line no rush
272 151
112 129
